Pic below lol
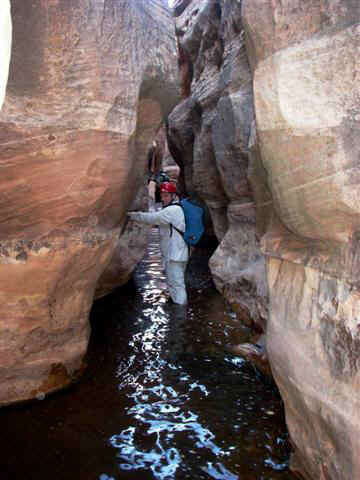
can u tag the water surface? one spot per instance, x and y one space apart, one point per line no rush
161 399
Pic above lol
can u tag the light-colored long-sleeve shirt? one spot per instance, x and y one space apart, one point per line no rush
172 244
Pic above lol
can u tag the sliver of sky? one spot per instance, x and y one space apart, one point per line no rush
171 2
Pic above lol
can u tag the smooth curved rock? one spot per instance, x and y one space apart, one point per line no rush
90 83
5 42
307 89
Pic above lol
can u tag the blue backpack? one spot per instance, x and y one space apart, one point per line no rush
194 221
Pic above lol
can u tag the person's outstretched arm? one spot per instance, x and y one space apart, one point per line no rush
162 217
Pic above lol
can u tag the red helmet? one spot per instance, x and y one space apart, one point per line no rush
168 187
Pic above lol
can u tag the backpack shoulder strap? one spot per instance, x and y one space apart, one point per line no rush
177 229
178 204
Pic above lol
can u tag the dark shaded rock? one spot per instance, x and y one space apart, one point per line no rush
209 134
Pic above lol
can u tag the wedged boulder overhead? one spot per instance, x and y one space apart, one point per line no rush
90 83
209 133
306 89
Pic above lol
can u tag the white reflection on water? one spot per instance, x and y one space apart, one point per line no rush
160 411
191 413
164 425
219 472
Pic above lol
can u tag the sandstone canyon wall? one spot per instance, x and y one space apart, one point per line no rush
304 56
89 85
209 134
268 137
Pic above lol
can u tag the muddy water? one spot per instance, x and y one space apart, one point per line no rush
161 399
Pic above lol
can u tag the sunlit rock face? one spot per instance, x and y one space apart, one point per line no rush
209 134
304 56
89 85
5 41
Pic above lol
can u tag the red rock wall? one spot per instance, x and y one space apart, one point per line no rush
306 94
273 150
89 85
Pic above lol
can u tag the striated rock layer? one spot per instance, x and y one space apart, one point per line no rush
305 61
90 82
209 134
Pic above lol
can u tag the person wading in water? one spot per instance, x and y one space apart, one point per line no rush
174 250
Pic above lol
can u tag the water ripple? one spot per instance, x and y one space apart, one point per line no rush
192 409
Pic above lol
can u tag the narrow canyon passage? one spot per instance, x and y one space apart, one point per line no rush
160 399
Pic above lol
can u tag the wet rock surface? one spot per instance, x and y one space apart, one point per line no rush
161 399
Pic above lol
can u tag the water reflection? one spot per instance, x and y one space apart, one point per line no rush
193 412
159 399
